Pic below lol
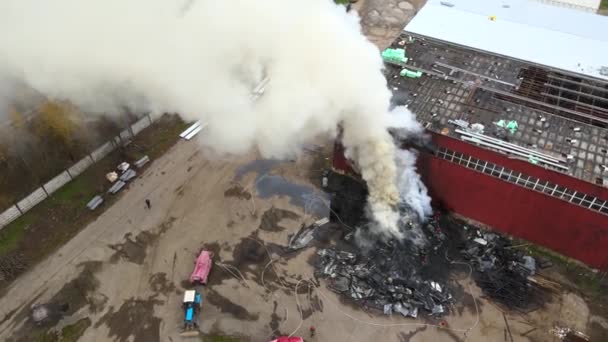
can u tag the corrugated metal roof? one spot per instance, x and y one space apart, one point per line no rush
581 5
557 37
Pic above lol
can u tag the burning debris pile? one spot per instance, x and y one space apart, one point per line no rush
412 275
501 271
389 276
383 281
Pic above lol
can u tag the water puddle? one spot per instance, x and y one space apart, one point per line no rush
306 197
259 167
303 196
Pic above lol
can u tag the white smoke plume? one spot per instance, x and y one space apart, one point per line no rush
201 58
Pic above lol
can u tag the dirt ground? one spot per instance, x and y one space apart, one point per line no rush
127 270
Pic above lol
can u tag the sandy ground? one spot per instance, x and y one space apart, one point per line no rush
127 270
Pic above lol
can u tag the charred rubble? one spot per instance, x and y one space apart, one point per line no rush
501 271
412 276
389 275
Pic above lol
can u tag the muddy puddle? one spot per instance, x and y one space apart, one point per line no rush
312 304
227 306
237 191
273 216
160 284
303 196
134 321
259 167
134 249
249 257
407 337
73 296
268 185
274 318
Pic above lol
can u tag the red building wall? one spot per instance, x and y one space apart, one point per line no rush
566 228
548 221
521 166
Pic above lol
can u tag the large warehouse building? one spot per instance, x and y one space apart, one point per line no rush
515 95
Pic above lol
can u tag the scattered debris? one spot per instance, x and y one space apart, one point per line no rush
388 276
142 161
128 175
124 166
40 313
112 176
410 277
95 202
478 128
303 237
502 272
567 334
116 187
459 123
511 126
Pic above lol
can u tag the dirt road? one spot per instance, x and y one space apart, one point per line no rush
126 272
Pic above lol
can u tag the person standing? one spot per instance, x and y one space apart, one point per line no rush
148 204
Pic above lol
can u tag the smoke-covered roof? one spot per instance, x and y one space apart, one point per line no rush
557 37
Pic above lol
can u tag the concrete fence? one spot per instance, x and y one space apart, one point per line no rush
46 190
57 182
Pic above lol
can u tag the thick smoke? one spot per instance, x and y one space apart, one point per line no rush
201 58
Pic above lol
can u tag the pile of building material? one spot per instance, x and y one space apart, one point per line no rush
389 276
193 130
413 275
394 55
383 279
501 271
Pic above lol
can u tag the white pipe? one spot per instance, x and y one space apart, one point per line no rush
190 129
511 146
480 142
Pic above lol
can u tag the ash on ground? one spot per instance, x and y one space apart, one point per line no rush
391 276
502 271
412 276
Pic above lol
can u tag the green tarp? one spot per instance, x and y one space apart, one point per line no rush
395 55
410 73
511 125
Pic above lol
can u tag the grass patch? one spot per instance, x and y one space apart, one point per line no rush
342 2
60 217
71 333
593 285
604 5
13 233
158 139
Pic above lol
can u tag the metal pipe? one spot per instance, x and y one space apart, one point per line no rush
500 148
512 95
511 146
